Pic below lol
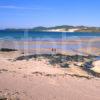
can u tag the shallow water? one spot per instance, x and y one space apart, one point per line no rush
12 39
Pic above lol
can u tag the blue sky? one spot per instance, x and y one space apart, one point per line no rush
31 13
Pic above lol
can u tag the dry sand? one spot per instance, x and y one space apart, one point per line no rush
38 80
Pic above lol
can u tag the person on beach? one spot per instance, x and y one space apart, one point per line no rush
53 50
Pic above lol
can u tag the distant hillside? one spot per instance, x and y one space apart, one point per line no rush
63 28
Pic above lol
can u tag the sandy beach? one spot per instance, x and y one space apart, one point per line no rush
49 50
37 79
45 73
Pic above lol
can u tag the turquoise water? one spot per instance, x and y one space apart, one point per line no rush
46 35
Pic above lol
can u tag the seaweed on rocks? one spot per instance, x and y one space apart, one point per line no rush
60 59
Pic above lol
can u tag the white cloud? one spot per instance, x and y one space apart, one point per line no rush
22 8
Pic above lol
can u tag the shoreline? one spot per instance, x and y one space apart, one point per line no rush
84 46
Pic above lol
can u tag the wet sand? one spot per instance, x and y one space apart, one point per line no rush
83 46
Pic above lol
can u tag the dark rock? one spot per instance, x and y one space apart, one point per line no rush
7 50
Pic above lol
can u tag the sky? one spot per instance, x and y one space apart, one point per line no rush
32 13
